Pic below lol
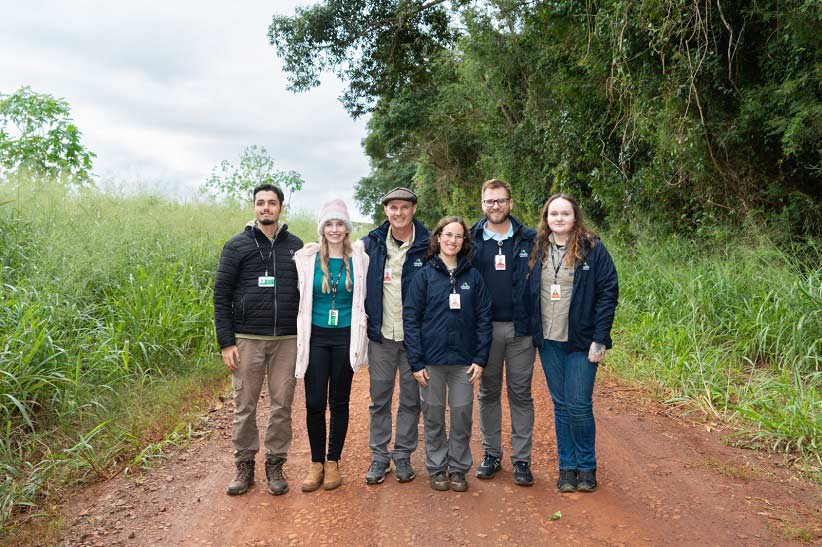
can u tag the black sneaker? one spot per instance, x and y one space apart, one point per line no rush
522 474
567 481
587 481
488 467
405 473
376 473
439 481
458 482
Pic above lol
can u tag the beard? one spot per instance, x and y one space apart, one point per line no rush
266 222
498 217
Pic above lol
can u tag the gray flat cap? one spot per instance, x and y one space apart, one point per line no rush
399 192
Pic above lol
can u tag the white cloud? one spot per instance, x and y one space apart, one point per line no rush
164 91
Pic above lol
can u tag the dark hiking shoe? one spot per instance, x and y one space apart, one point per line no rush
488 467
439 481
405 473
243 480
522 474
587 481
277 483
567 481
458 482
377 472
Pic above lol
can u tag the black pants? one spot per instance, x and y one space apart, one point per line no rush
328 384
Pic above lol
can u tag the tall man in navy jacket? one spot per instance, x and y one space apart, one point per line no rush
502 246
396 251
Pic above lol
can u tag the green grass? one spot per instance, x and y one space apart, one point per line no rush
105 327
731 325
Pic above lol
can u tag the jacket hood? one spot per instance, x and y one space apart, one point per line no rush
251 225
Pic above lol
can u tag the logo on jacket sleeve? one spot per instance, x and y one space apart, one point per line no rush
418 263
465 286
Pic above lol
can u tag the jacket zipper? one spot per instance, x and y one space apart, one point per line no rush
274 273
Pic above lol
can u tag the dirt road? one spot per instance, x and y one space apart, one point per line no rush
664 481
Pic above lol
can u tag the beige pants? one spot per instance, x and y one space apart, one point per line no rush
274 359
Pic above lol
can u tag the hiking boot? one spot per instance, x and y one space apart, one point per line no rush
314 478
488 467
277 483
439 481
377 472
405 473
332 478
244 479
587 481
567 481
522 474
458 482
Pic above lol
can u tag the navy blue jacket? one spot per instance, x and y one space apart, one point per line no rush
523 244
593 300
377 253
434 333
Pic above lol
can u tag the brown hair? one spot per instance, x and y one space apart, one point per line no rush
434 243
580 235
493 184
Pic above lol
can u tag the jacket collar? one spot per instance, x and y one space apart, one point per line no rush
421 233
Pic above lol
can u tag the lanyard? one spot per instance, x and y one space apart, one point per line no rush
271 252
334 284
557 264
452 280
499 244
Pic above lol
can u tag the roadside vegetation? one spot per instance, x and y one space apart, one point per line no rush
107 348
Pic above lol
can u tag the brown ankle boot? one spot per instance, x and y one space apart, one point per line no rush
332 478
314 478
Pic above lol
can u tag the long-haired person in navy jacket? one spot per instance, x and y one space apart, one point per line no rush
447 326
573 284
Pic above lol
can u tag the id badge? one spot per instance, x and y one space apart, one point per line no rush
555 292
386 276
333 317
266 281
454 301
499 262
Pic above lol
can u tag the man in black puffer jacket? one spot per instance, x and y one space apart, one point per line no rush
255 314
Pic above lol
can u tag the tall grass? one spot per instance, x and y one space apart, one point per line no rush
732 324
105 302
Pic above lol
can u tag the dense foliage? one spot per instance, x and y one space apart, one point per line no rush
689 111
39 138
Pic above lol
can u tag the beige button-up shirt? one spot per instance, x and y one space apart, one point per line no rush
392 292
555 312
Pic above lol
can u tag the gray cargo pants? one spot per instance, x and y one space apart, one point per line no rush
276 360
384 361
451 452
518 353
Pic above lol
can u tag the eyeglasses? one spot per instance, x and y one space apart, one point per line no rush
492 202
455 237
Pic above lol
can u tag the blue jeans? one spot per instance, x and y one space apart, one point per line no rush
570 379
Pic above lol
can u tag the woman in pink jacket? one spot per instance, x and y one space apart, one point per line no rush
331 337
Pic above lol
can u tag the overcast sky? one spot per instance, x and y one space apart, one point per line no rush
164 91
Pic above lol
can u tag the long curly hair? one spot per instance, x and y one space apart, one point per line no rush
434 242
578 238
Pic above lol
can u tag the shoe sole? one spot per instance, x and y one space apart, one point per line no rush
312 488
333 486
567 489
586 488
277 492
488 477
240 492
459 488
441 487
405 478
523 483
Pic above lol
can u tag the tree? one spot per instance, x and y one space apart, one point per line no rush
38 137
256 167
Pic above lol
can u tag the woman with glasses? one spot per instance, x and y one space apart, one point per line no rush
447 325
573 283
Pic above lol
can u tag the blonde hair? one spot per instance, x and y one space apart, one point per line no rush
324 263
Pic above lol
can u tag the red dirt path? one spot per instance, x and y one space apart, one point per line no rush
663 481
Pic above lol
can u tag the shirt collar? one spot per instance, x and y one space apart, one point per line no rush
487 234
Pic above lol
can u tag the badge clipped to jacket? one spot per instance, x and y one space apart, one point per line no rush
556 293
386 276
499 262
454 301
266 281
333 317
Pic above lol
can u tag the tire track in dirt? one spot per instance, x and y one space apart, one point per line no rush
663 481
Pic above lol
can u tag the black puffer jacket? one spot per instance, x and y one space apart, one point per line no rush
240 304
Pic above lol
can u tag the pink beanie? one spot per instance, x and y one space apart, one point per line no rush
334 210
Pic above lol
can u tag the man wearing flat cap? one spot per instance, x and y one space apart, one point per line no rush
396 251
